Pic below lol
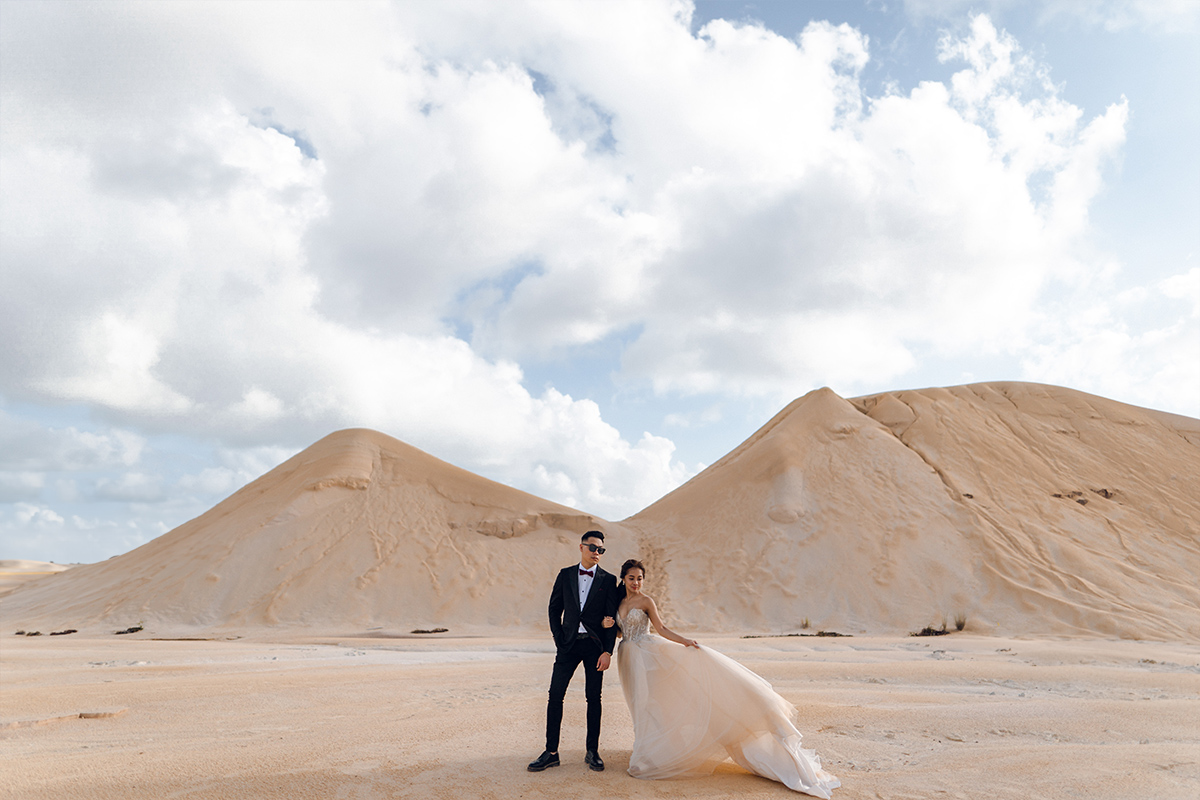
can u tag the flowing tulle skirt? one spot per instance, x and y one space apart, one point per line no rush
692 709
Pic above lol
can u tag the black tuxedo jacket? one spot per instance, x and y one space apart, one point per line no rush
565 613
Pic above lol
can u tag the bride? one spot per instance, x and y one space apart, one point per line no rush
693 708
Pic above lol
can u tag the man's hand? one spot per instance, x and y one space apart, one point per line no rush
604 662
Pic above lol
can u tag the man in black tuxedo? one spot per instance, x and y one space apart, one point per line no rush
583 596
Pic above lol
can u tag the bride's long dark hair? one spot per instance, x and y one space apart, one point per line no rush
632 563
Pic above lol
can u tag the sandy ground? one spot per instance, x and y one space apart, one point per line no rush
954 716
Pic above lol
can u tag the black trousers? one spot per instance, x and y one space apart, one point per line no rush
587 652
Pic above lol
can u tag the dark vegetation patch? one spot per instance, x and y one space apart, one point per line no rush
1077 496
134 629
929 630
64 633
431 630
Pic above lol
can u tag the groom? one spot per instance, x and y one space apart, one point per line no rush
583 596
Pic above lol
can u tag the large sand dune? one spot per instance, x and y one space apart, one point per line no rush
1026 508
1029 509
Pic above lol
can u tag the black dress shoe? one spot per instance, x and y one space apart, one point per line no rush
547 759
594 761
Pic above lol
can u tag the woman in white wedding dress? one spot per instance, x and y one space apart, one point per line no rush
693 707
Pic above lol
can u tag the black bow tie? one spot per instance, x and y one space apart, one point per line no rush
585 572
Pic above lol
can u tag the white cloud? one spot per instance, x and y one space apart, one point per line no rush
707 416
41 533
214 481
253 461
20 486
1171 16
26 445
34 516
758 130
1104 350
592 467
1114 15
920 224
1184 287
208 319
130 487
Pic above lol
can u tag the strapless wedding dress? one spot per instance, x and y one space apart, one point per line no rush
692 709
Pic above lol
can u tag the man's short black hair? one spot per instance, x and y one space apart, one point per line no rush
590 534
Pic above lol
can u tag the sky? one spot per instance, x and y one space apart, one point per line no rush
581 248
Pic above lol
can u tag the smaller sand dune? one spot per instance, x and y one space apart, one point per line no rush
358 532
15 571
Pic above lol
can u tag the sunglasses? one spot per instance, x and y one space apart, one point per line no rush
595 548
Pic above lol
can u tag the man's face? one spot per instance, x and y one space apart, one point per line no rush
587 557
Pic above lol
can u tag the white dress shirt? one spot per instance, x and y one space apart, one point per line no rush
585 586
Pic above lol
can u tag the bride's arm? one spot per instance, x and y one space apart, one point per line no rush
609 622
664 631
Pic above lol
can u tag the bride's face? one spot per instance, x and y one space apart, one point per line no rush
633 581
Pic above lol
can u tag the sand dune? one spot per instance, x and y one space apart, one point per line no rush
1025 508
15 572
358 531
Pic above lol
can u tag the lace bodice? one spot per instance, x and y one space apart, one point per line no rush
635 625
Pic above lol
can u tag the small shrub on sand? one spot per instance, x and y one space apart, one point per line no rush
929 630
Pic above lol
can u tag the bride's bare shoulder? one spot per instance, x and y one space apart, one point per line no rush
641 601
